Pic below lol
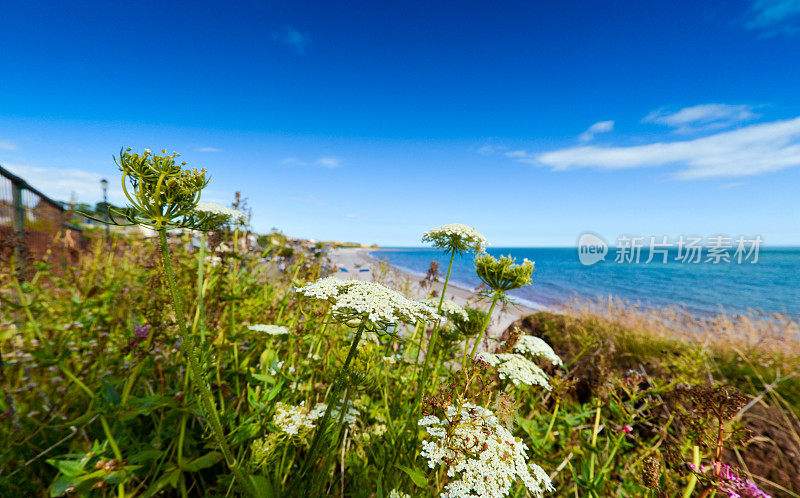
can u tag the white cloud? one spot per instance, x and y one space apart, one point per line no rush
747 151
599 127
488 150
208 149
293 38
292 161
5 145
351 216
59 184
329 162
702 117
775 16
516 154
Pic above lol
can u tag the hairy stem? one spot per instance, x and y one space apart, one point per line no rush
190 351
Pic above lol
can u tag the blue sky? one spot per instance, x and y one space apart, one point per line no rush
373 121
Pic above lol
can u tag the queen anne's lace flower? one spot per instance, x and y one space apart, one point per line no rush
269 329
351 414
449 307
357 299
214 208
294 419
455 237
398 494
534 346
482 457
516 368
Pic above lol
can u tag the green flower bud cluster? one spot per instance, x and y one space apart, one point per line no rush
161 193
503 274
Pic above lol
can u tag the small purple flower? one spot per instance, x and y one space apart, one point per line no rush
142 331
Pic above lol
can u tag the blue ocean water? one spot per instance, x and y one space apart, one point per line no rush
770 285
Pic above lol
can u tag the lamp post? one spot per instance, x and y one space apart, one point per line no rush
104 184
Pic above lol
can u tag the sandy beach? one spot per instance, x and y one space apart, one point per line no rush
355 260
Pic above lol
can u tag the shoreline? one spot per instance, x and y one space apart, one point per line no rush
357 259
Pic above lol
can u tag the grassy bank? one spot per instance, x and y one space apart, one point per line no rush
98 402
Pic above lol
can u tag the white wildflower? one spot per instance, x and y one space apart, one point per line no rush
449 307
398 494
214 208
482 457
455 237
535 346
269 329
294 419
351 414
516 368
357 299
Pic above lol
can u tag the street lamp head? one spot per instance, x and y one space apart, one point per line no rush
104 184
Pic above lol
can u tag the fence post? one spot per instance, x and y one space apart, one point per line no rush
19 226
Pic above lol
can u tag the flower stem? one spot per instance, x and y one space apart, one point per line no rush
333 398
190 351
482 333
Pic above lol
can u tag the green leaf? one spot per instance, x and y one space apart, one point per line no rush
69 468
203 462
417 476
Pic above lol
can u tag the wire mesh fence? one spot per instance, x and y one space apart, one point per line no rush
30 222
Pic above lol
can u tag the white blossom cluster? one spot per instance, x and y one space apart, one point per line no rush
294 419
269 329
398 494
483 458
535 346
370 300
449 307
456 237
214 208
516 368
351 414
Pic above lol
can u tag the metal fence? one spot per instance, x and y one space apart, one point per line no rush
29 220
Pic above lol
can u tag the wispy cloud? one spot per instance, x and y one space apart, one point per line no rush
325 162
731 185
60 184
599 127
293 38
5 145
351 216
773 17
208 149
516 154
702 117
747 151
488 150
328 162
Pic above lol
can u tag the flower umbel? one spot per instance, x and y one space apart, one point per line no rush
503 274
217 215
449 308
269 329
482 457
534 346
455 238
516 368
358 300
161 193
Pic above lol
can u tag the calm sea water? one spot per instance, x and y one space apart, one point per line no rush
770 285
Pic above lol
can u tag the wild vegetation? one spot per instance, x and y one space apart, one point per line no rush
188 365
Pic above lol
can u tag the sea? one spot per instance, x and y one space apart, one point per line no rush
770 284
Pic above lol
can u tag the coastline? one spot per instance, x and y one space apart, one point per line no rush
356 259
